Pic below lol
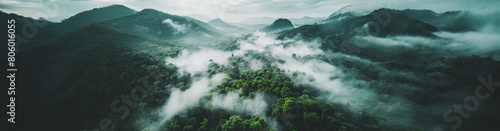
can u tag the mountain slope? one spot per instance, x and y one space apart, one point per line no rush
83 72
81 20
96 15
375 23
454 21
397 24
203 24
154 23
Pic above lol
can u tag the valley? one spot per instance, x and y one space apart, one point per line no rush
115 68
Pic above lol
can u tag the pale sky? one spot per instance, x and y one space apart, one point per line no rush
233 10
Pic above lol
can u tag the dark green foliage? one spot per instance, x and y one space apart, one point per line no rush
294 104
82 74
235 123
200 119
269 80
183 123
299 110
304 113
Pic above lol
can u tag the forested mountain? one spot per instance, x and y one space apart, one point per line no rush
81 20
386 69
455 21
155 23
95 16
306 20
376 23
63 69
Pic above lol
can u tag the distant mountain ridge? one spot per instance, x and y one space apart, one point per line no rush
218 23
162 25
227 28
203 24
81 20
127 20
345 25
454 21
96 15
255 21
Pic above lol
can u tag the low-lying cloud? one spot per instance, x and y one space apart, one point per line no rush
179 27
179 100
233 103
316 68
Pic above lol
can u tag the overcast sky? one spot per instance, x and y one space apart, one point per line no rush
233 10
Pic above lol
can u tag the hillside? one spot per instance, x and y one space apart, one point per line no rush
157 24
82 75
454 21
96 15
203 24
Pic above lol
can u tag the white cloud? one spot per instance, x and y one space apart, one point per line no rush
197 61
179 100
232 102
483 42
385 41
179 27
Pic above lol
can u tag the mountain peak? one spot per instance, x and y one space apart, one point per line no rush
353 10
96 15
279 25
151 11
216 20
220 24
116 6
282 22
112 10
